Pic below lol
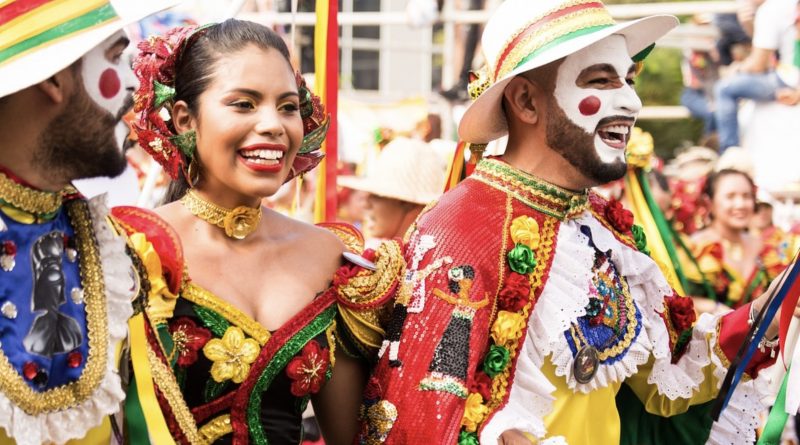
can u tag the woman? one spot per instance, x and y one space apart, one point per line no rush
232 349
732 266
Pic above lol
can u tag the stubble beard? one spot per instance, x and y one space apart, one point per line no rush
80 142
576 146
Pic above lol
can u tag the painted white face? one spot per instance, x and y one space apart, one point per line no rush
109 79
594 88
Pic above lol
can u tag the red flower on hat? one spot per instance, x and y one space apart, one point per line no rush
188 338
307 370
619 217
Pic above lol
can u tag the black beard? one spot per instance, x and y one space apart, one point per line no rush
575 145
80 142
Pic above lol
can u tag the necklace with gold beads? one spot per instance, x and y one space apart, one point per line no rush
237 223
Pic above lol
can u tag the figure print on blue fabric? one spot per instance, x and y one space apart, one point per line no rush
51 332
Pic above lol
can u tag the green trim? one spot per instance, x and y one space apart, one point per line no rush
135 423
276 364
92 18
560 40
215 322
776 421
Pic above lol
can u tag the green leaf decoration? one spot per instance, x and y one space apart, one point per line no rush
186 142
214 389
212 320
163 93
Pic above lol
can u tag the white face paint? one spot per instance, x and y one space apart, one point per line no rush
108 77
592 90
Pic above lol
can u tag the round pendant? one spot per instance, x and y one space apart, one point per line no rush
585 365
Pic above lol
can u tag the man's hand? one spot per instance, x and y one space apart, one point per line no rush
758 305
513 437
787 96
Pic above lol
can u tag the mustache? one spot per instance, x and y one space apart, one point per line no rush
126 106
612 119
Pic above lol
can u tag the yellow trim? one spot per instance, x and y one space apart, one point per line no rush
44 18
156 424
216 428
202 297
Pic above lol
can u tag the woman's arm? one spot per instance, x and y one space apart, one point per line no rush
337 404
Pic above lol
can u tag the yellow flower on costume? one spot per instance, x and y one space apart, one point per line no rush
507 328
232 355
639 152
474 412
525 230
160 301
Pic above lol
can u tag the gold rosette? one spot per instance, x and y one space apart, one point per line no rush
241 221
474 412
508 328
525 230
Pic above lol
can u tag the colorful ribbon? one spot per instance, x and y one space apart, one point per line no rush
326 67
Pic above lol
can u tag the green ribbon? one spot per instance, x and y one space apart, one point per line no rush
466 438
521 259
134 417
777 417
496 360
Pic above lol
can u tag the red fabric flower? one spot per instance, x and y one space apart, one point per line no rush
514 295
681 312
345 273
619 217
482 385
307 370
188 338
715 250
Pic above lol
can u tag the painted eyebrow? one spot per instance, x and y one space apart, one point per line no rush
121 43
599 68
258 95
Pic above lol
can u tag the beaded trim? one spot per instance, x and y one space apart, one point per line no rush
202 297
39 203
63 397
216 428
535 193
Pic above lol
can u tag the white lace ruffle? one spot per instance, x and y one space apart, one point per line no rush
738 422
75 422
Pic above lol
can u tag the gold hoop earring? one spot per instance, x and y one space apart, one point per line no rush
193 173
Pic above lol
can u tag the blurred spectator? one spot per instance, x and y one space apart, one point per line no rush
699 76
407 175
757 77
459 90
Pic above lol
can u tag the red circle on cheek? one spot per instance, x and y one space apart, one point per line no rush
589 106
109 83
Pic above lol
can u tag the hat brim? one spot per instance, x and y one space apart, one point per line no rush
35 66
375 187
484 120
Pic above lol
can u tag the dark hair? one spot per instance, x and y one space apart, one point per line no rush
710 187
763 205
195 68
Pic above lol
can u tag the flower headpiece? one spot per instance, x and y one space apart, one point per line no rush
155 68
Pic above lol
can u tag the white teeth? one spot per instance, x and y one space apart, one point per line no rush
262 161
271 155
621 129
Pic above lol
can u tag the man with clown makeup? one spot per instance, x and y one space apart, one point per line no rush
66 282
530 303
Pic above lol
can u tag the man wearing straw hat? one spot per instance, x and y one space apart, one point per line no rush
407 175
65 279
530 302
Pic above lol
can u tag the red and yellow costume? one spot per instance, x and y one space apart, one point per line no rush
204 372
510 282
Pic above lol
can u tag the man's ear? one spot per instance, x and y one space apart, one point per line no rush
522 100
60 85
182 118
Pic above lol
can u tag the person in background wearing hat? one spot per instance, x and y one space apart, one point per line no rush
407 175
65 283
528 303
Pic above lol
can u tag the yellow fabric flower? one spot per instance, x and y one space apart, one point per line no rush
525 230
474 412
232 355
160 301
639 152
507 329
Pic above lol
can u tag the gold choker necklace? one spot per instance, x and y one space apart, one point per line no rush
237 223
39 203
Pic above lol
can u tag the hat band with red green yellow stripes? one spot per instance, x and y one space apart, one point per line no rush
570 20
26 25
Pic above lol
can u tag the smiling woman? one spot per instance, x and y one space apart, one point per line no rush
243 325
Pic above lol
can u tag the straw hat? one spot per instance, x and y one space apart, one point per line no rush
523 34
41 38
407 169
